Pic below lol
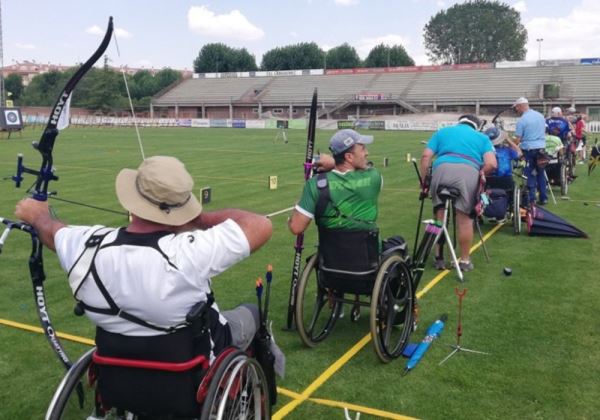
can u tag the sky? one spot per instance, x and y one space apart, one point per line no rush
161 33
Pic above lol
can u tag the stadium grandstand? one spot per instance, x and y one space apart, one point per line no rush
394 91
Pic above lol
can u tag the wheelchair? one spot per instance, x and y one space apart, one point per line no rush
348 263
559 169
513 193
114 380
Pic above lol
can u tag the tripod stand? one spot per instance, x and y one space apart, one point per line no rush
448 194
457 348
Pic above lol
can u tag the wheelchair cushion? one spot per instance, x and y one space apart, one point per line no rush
149 391
348 259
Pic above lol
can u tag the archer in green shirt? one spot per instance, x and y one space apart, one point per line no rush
353 188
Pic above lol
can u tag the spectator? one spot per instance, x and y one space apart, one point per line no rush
462 151
580 137
530 134
558 125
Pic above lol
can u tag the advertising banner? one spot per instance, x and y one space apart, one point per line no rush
187 122
345 124
255 124
299 124
238 123
376 125
220 123
200 123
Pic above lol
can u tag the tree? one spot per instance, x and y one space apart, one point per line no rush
342 57
385 56
218 57
478 31
294 57
166 77
13 83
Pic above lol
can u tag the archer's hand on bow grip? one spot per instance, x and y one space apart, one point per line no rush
425 187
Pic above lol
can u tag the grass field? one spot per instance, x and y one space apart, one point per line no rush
540 325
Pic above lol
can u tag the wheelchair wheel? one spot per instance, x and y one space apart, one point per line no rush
392 304
564 179
316 311
74 398
238 390
516 210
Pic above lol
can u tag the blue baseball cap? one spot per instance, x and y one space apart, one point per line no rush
345 139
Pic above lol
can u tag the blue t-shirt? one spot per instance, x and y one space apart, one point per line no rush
505 156
531 128
459 139
558 127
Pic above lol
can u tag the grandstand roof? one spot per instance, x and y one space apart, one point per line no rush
421 87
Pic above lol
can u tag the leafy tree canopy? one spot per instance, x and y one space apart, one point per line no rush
292 57
385 56
478 31
218 57
100 89
13 83
342 57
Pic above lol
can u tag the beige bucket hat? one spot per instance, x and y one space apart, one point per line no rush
160 190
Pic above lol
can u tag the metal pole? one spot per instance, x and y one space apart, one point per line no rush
2 90
539 41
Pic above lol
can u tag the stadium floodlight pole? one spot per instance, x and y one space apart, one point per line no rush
299 246
539 41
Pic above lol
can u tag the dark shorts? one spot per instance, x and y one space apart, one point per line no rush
461 176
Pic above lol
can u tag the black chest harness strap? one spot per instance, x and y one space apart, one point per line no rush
325 199
85 267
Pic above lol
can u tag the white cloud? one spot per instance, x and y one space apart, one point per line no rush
25 46
520 6
95 30
122 33
346 2
575 35
365 45
294 34
232 25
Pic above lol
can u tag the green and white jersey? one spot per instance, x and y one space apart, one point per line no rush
354 194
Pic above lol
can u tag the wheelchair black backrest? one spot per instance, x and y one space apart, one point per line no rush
352 251
146 391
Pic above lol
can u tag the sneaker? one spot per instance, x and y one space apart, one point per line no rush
464 265
581 162
542 202
439 264
499 221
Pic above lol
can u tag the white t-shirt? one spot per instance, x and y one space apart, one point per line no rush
159 278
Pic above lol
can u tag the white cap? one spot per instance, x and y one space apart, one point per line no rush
572 109
521 100
556 111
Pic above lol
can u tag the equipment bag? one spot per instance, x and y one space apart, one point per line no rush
498 203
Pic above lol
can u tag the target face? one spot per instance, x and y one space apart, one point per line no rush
12 117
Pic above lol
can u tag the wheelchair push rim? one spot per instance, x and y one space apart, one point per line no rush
316 308
392 304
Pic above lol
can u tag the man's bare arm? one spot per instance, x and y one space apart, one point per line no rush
37 214
257 228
